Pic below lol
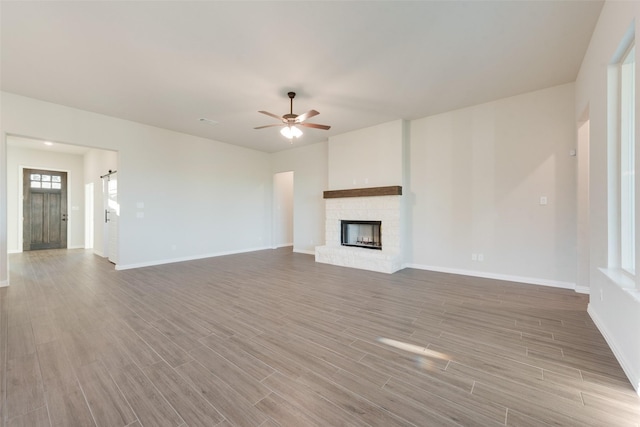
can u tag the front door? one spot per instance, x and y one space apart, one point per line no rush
44 210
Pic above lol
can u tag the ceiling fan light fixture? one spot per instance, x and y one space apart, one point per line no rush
291 132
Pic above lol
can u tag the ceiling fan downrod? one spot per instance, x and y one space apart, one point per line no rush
291 96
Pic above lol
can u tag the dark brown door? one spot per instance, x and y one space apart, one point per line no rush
44 210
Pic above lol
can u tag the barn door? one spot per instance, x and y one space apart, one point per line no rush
44 210
112 216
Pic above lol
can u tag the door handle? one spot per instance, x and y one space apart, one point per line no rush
106 215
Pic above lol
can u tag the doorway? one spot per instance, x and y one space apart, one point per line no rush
282 209
583 220
44 209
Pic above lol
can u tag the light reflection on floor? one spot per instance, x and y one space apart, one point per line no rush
423 354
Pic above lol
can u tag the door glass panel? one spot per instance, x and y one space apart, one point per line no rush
47 181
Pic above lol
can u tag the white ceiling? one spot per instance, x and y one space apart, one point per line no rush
359 63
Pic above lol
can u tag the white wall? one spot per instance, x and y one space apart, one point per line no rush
201 197
18 158
476 178
370 157
96 164
4 270
614 310
309 165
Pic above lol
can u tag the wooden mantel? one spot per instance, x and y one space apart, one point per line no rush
394 190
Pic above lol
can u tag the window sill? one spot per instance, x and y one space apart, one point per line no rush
623 281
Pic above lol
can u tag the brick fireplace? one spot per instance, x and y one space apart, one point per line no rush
379 204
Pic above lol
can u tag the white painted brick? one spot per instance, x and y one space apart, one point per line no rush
380 208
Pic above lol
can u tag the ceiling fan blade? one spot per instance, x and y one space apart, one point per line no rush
269 126
305 116
315 126
271 115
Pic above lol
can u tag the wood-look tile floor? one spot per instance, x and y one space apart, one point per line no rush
271 338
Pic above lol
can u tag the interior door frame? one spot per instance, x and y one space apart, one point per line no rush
583 204
112 220
277 214
20 200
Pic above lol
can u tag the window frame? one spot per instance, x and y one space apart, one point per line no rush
626 149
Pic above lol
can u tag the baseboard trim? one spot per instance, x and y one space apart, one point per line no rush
496 276
583 289
183 259
284 245
633 377
19 251
304 251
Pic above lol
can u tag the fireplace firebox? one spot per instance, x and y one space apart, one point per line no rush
362 234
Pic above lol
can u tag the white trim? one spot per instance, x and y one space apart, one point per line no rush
582 289
304 251
188 258
621 279
19 251
627 367
506 277
284 245
4 283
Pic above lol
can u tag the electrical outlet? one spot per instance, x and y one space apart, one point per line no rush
480 257
474 257
543 200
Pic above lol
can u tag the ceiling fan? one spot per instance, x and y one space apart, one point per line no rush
290 121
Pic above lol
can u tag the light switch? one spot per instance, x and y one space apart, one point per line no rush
140 215
543 200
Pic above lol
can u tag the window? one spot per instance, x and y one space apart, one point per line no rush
627 162
51 182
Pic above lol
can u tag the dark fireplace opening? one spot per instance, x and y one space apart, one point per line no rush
362 234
